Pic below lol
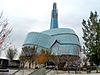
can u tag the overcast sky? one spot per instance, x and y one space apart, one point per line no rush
34 15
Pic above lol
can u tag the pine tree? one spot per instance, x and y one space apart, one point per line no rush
91 37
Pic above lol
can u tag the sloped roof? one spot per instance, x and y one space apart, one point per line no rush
40 39
47 38
63 39
58 31
63 35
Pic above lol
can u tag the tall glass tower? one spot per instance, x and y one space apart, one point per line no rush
54 17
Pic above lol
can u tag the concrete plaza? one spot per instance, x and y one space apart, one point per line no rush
52 72
71 73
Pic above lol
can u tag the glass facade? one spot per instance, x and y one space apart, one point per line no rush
62 41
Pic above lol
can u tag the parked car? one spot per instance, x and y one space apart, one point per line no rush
50 65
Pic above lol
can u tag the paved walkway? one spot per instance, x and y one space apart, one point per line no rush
21 72
53 72
71 73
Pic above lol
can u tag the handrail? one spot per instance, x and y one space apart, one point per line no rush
35 70
48 71
16 71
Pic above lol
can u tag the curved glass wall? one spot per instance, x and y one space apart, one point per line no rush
65 49
61 41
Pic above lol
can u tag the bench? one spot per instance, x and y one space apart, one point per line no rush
4 70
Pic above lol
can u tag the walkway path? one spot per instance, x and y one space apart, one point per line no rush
71 73
53 72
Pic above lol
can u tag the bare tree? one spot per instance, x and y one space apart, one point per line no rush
11 53
5 30
28 54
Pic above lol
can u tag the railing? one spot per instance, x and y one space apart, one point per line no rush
16 72
40 71
48 71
